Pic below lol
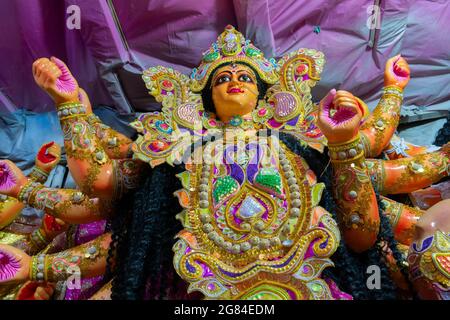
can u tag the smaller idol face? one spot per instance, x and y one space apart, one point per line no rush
234 91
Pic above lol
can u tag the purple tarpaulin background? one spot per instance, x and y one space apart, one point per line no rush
118 39
176 32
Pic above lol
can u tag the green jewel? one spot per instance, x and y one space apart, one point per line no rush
223 187
269 178
210 57
316 287
252 52
78 127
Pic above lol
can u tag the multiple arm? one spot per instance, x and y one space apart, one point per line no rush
355 177
339 118
409 174
377 131
88 260
92 148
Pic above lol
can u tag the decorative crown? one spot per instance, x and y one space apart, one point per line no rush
231 46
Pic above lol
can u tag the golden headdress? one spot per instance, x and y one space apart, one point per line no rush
231 46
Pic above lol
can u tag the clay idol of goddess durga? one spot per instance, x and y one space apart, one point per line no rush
240 187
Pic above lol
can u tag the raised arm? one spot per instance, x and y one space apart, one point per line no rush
339 118
409 174
377 131
115 144
90 165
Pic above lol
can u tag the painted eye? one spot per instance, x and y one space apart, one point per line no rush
245 78
223 79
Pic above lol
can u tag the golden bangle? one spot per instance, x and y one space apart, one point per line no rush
346 151
26 190
33 193
70 110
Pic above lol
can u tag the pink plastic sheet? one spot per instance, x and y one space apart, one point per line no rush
176 32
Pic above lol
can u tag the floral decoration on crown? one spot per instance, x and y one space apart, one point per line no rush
231 46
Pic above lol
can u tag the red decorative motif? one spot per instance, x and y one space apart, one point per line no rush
444 261
43 154
51 224
167 85
301 70
262 112
158 146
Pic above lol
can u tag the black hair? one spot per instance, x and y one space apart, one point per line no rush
443 135
206 93
143 240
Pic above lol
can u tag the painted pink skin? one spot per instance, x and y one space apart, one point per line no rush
9 266
7 177
399 73
65 82
342 114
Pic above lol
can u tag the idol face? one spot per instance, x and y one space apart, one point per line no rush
234 91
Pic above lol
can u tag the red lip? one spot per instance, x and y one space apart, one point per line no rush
235 90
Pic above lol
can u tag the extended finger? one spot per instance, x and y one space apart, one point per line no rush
54 150
345 100
344 93
60 222
390 63
329 97
60 64
54 70
37 63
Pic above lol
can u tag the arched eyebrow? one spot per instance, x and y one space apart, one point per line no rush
224 71
244 70
239 71
217 75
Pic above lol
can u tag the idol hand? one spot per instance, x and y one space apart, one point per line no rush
339 116
48 156
11 179
33 290
14 265
55 78
397 72
52 226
